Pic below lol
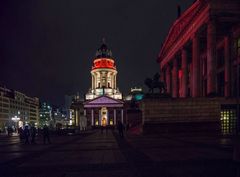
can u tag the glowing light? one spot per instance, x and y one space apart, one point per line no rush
103 63
15 118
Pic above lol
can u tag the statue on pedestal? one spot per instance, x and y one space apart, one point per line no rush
155 83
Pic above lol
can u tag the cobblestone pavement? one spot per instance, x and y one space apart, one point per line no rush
93 154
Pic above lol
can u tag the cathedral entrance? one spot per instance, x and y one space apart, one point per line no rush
104 116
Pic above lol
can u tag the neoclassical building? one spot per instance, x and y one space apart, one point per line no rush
103 104
199 62
200 56
104 75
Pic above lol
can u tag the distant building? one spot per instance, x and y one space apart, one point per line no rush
135 94
103 104
104 75
17 109
45 115
60 119
67 109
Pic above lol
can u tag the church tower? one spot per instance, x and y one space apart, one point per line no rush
104 75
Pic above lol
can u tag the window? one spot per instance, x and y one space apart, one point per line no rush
228 121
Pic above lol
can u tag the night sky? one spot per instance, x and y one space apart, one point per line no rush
47 46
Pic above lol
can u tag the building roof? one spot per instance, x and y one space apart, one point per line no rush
103 101
103 51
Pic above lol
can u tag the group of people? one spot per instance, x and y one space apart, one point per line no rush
28 135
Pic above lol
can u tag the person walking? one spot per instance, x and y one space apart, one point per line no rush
120 128
26 133
33 134
46 135
21 134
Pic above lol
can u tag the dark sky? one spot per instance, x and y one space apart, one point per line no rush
47 46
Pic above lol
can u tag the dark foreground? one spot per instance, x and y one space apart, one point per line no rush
93 154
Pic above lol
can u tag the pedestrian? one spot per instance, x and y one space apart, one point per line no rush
120 128
26 134
46 135
33 134
21 134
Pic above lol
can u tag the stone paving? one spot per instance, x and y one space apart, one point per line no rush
93 154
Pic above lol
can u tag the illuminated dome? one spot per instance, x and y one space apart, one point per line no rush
104 75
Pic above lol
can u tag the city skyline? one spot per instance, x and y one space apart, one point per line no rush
48 47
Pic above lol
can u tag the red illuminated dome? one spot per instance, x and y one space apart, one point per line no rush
103 63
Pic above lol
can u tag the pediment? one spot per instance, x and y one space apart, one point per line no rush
103 100
179 27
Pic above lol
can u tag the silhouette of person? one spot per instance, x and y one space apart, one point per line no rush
120 128
26 133
46 134
21 134
33 134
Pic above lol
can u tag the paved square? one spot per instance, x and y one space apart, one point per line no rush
95 154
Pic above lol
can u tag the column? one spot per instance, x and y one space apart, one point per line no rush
184 86
84 112
115 81
92 82
227 67
114 117
76 117
100 79
211 59
175 78
122 116
196 67
99 118
168 79
92 115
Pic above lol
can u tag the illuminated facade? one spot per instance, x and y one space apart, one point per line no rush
104 75
17 109
103 105
200 57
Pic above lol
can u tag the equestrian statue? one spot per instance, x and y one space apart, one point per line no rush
155 83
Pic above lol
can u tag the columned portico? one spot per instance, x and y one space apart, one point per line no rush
104 111
205 38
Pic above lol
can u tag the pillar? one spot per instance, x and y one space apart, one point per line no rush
122 116
175 78
76 117
99 117
168 79
92 115
114 117
184 86
227 67
211 59
196 67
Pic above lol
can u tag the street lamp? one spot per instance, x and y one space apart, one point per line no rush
16 119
